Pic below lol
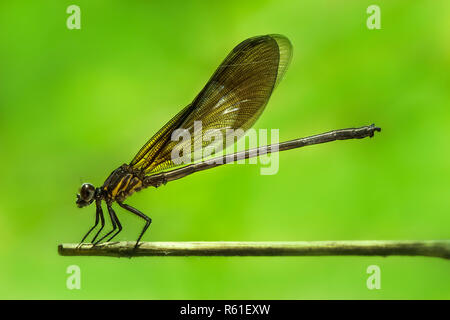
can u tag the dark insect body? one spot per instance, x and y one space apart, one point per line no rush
233 98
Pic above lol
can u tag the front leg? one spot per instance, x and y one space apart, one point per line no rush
98 213
102 219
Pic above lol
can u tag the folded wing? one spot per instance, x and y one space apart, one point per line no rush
233 98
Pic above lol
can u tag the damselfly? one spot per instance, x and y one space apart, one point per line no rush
233 98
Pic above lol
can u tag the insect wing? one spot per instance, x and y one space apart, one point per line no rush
233 99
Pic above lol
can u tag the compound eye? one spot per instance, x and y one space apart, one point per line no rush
87 192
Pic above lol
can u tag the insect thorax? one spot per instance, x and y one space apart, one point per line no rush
121 183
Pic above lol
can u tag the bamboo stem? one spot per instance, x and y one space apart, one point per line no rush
427 248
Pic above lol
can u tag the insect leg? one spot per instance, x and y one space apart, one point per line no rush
97 215
113 222
139 214
113 214
102 219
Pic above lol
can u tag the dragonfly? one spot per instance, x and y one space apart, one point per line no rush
233 98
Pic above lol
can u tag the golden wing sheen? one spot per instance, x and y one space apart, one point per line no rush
233 98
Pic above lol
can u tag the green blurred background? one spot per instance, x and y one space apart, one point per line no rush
76 104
